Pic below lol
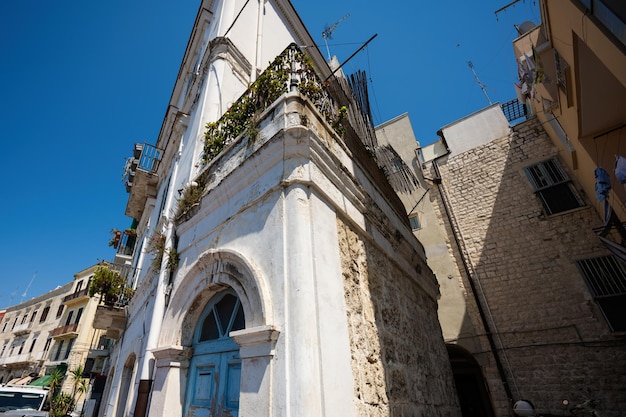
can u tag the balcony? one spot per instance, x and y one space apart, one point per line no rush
22 359
21 329
65 330
141 177
110 318
77 296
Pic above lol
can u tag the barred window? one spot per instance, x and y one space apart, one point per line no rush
606 278
553 187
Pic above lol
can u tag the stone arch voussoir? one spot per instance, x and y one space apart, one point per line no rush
212 272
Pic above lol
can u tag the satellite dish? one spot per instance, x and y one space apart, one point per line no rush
526 27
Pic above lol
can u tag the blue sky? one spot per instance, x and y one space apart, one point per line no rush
80 82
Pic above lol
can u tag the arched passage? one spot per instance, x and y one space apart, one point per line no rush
470 384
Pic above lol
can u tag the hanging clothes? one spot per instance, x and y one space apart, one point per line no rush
603 184
620 169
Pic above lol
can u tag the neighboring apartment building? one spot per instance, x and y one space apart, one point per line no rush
55 331
26 336
572 70
517 309
278 274
76 343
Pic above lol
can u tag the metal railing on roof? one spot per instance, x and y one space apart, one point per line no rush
514 110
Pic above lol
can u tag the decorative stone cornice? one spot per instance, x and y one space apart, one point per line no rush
172 356
256 342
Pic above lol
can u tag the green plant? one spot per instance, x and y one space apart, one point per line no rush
242 116
191 195
173 258
62 403
106 282
156 247
115 238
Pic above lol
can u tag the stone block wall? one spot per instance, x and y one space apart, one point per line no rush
399 360
553 340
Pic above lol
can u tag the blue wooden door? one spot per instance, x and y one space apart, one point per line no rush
215 369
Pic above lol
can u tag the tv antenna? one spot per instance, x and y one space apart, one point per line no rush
328 32
28 287
480 84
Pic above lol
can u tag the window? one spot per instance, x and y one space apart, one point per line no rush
60 311
553 187
69 349
44 314
32 317
415 222
57 354
24 318
69 318
32 346
78 314
47 346
5 325
21 349
606 278
564 77
79 286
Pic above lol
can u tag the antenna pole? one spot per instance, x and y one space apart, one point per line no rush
28 287
481 85
328 32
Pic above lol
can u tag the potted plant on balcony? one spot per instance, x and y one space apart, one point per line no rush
108 283
116 235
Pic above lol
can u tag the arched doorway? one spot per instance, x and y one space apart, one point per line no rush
126 382
215 368
470 384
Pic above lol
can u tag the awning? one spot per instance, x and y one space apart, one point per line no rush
43 381
20 381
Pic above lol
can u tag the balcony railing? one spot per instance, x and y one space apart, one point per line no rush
76 295
63 330
140 177
514 110
292 70
21 329
126 244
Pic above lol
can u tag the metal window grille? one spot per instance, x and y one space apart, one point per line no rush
604 275
552 185
561 66
606 279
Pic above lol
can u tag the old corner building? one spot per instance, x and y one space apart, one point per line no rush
275 272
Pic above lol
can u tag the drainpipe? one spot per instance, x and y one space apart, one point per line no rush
468 271
146 367
259 41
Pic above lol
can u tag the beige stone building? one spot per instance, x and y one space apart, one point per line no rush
516 266
55 331
26 336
